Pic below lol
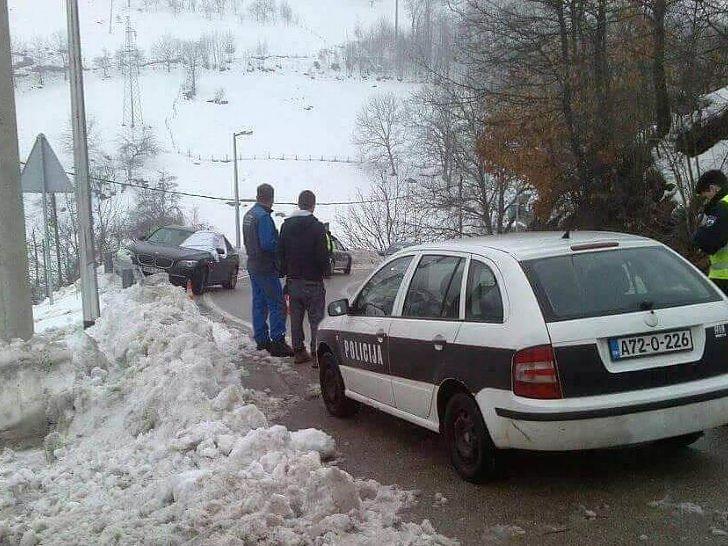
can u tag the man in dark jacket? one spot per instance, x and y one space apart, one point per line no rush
712 234
261 241
304 258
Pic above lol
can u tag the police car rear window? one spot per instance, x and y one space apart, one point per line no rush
593 284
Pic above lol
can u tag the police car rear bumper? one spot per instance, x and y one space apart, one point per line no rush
604 421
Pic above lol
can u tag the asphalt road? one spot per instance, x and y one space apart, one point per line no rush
641 495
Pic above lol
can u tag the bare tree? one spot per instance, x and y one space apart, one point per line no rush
284 8
379 131
263 11
228 46
166 50
103 63
191 56
135 147
156 206
59 45
39 53
382 217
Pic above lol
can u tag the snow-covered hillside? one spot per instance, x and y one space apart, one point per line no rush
293 108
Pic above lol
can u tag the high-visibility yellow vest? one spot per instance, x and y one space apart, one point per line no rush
719 260
329 244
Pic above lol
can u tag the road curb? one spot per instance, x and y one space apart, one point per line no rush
209 303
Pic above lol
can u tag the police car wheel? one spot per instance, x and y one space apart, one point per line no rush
332 388
472 452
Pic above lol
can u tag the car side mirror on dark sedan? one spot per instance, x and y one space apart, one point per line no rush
338 308
220 251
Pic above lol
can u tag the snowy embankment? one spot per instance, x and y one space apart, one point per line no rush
158 441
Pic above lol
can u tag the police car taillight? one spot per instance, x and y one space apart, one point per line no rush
534 373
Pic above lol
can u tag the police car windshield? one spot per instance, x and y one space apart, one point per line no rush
612 282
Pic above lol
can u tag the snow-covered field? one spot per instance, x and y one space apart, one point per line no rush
292 108
158 441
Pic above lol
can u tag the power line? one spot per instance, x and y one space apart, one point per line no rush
229 199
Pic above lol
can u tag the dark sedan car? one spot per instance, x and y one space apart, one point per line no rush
341 259
186 254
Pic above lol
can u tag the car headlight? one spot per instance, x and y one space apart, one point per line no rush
189 264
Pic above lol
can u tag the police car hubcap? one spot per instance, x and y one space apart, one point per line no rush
465 441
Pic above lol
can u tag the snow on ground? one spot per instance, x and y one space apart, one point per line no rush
293 110
66 311
319 23
159 442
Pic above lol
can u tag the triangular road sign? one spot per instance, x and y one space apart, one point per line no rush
42 168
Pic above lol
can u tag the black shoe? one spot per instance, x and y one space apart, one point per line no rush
265 346
280 348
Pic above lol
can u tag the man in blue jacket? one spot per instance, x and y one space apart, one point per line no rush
261 241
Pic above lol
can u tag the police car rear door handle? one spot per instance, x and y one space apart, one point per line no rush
381 334
439 342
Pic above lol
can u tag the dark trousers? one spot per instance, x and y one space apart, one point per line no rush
306 297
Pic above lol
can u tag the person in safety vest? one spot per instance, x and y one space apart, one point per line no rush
712 234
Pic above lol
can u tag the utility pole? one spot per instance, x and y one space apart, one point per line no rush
111 14
397 60
16 310
87 263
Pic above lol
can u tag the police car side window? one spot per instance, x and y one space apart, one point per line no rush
377 297
483 302
434 291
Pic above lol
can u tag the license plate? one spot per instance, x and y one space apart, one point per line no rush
151 269
622 348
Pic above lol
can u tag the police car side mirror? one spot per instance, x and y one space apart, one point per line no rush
338 308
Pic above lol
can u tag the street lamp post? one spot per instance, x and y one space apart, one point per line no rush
89 287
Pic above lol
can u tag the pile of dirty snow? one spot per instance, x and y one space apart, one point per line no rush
157 441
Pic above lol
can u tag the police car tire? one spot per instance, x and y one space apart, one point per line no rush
332 388
472 452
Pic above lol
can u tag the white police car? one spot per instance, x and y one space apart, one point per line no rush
538 341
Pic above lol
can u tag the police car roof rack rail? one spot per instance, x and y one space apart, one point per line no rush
595 245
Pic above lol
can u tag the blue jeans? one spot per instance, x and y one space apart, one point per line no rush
268 300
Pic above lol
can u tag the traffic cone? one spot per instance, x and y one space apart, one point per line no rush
190 293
